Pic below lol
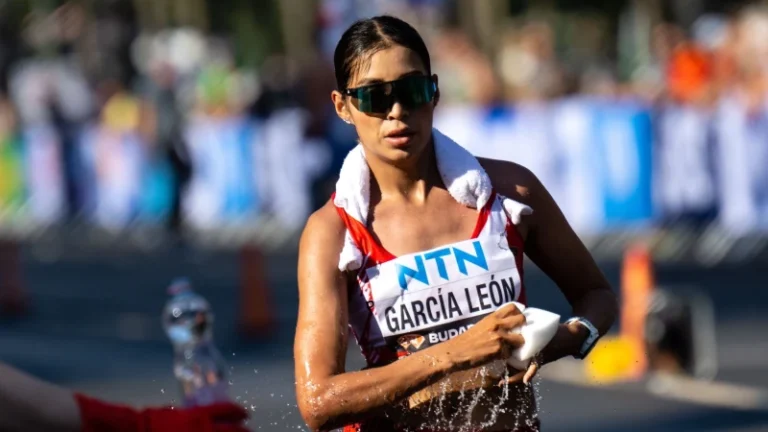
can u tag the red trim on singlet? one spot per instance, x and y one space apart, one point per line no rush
515 240
363 239
482 218
376 252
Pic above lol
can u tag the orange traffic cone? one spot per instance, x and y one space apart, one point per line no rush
637 283
255 301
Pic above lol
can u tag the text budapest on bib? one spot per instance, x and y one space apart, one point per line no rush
425 298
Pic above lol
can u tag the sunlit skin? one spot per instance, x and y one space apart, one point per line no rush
412 211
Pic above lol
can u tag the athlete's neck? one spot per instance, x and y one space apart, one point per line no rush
411 181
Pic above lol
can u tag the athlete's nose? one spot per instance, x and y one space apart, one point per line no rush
397 112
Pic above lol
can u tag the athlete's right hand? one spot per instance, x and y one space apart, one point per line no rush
490 339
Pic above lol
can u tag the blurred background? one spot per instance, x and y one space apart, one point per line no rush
145 140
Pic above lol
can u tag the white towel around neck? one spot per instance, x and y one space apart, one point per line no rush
462 174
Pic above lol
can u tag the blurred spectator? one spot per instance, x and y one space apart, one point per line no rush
116 153
466 75
689 75
54 100
224 148
164 126
128 125
328 137
528 65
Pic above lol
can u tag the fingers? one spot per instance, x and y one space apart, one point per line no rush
514 379
514 340
525 376
512 322
531 372
508 310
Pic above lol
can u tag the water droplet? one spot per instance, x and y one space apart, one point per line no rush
162 391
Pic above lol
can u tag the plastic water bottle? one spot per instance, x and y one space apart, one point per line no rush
198 365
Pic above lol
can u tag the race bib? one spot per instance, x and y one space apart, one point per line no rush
429 297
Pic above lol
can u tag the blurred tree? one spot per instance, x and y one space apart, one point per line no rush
482 20
636 23
253 26
12 15
297 19
156 14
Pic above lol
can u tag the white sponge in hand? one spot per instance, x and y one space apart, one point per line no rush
539 328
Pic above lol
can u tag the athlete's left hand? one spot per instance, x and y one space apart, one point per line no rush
567 341
516 376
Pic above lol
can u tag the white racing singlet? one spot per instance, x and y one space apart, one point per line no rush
400 305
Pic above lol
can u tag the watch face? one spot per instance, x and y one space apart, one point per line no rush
591 340
588 346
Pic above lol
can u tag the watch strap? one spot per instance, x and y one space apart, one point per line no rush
591 340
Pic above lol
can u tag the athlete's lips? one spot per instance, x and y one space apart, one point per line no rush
400 137
401 132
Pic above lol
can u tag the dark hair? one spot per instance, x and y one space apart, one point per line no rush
367 36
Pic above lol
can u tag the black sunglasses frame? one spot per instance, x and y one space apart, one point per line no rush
394 94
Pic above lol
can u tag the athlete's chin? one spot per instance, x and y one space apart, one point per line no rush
403 152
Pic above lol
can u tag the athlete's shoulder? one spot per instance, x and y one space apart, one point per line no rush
512 180
324 229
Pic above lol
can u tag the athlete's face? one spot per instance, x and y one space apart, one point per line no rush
400 128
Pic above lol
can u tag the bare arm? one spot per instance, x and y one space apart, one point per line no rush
28 404
555 248
329 397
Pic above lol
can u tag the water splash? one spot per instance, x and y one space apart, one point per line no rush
481 408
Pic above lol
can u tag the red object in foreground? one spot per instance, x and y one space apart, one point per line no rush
99 416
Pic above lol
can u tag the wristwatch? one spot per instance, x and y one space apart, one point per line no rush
591 341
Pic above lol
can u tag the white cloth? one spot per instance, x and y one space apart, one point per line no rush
540 327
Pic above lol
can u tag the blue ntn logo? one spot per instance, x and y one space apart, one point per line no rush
406 274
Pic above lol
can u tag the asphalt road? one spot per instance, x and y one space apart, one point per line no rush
95 327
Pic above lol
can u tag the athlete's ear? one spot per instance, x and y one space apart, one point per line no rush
340 104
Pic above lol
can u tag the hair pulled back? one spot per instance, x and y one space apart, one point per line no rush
368 36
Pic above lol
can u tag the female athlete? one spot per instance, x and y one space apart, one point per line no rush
420 254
